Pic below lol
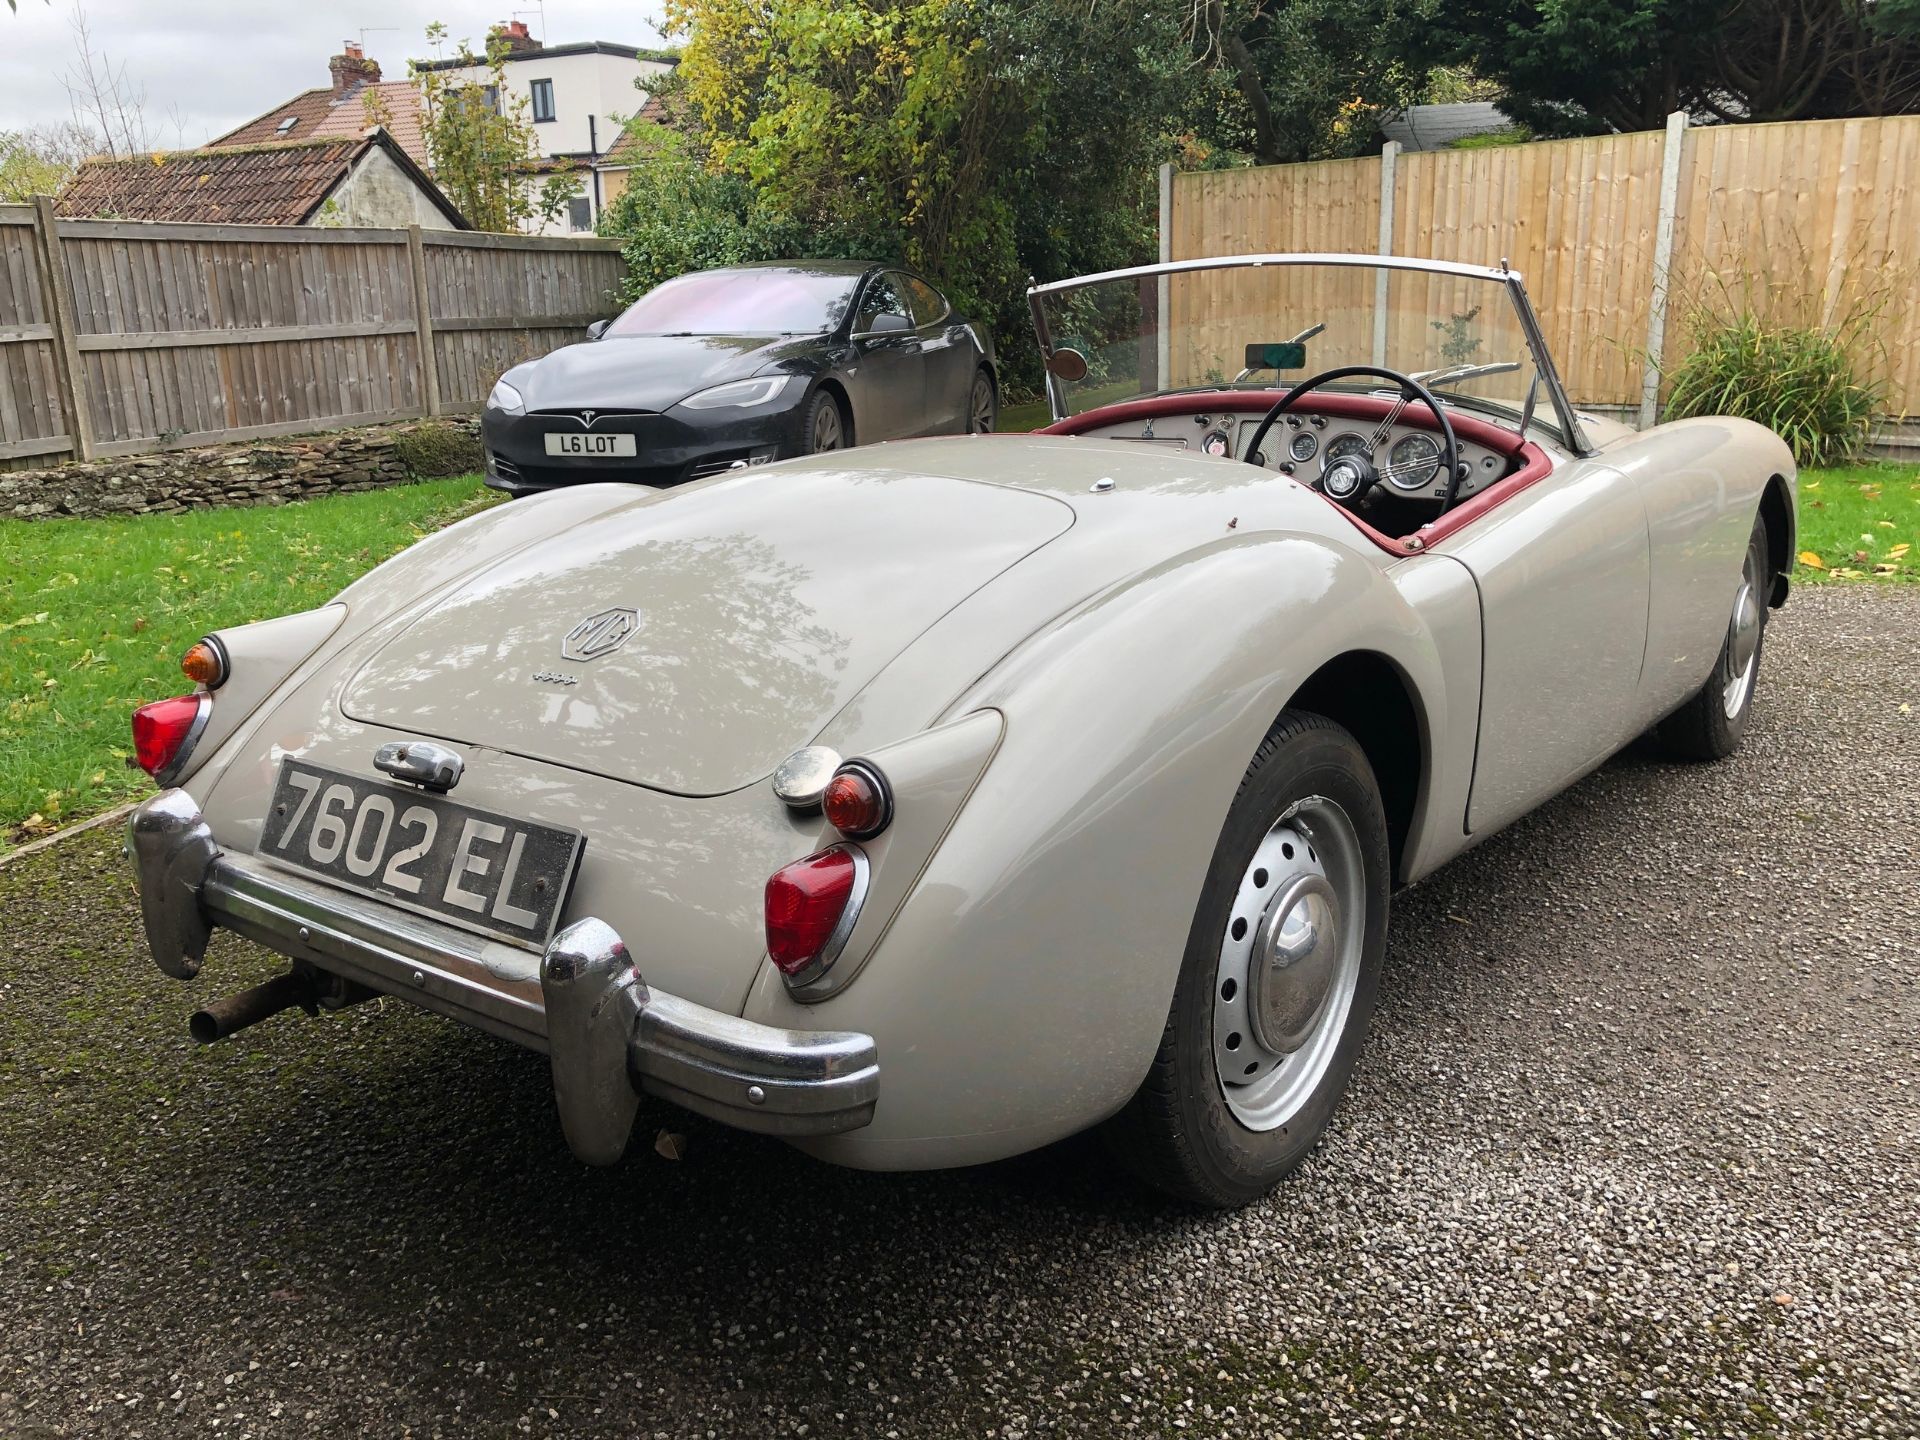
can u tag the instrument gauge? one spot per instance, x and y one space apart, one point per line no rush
1413 463
1303 445
1349 446
1216 442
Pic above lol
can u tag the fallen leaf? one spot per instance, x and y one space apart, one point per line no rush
669 1146
1812 561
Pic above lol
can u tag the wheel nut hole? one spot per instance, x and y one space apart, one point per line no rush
1253 1066
1239 931
1233 1041
1229 989
1259 879
1286 850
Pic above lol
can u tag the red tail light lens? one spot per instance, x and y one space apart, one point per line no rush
163 731
806 902
856 801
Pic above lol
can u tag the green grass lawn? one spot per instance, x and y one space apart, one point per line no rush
1859 523
94 615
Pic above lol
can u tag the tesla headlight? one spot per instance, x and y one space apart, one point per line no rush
742 393
505 397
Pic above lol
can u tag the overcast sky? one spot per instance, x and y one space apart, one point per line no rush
208 65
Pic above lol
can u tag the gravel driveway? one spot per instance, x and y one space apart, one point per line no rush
1635 1149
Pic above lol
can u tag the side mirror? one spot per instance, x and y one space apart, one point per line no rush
887 324
597 329
1067 364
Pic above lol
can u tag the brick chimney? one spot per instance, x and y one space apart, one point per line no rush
515 35
351 70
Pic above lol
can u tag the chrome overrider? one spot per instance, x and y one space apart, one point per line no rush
607 1035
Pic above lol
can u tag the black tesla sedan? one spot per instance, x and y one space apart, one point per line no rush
734 367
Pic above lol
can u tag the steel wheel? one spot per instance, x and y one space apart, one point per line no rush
981 409
827 433
1743 637
1289 964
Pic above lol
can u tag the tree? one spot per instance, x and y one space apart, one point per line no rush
106 101
1590 66
978 140
40 160
481 145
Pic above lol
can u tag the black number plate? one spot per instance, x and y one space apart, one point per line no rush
502 877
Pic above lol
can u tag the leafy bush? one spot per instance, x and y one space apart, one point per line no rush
1800 381
436 449
1795 347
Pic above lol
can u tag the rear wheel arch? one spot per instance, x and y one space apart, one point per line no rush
1776 512
1372 698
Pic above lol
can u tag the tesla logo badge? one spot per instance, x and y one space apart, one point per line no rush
600 634
587 417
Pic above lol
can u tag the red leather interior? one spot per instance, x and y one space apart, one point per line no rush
1533 462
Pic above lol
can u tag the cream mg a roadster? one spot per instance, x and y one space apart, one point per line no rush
927 803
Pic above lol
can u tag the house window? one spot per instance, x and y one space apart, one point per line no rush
490 97
542 101
580 213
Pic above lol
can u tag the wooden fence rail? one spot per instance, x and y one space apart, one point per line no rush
118 337
1617 236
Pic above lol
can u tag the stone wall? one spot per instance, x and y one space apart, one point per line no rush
266 472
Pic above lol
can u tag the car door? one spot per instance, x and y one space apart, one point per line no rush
1563 569
949 355
890 368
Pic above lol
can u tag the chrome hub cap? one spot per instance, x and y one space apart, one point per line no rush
1743 642
1289 964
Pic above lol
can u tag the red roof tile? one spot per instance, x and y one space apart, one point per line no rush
317 114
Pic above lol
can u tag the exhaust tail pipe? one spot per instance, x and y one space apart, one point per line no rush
249 1007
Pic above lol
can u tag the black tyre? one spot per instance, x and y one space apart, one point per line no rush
825 425
1710 725
983 404
1278 983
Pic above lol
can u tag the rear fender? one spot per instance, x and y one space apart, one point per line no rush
1023 986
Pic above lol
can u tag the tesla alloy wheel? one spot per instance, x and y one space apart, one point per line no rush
983 407
1279 978
825 426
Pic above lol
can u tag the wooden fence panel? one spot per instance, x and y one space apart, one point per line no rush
33 420
1809 217
191 334
495 301
1812 214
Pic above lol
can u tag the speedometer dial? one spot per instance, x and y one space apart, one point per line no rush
1303 444
1413 463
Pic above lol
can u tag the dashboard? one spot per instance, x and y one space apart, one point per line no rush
1304 442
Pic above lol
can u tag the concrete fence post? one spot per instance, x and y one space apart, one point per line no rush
1389 153
1163 338
1670 163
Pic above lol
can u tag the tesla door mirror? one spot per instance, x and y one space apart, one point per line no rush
1067 365
597 329
886 324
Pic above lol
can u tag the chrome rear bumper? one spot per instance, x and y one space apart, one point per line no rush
583 1003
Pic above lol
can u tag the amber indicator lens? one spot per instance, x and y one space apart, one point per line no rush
204 665
856 802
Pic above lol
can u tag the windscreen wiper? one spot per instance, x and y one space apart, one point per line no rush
1452 374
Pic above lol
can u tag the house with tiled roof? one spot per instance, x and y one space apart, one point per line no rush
577 96
634 146
356 100
343 180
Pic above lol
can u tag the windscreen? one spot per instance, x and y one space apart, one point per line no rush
741 302
1270 326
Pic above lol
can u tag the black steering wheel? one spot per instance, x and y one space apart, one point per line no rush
1348 479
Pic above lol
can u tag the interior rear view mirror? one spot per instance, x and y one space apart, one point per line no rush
1277 355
